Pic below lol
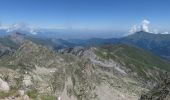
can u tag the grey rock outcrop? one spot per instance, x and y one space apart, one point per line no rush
160 92
4 86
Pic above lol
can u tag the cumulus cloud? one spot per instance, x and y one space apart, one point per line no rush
17 27
24 27
20 26
133 29
145 25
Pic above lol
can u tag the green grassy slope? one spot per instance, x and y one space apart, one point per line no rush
138 60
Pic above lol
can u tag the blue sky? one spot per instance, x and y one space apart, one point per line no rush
116 15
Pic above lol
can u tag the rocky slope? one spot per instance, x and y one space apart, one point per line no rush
160 92
105 73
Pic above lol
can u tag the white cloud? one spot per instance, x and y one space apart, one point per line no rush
21 26
27 28
17 27
24 27
145 25
165 33
33 31
133 29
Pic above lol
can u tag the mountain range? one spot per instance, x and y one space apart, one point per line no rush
128 68
156 43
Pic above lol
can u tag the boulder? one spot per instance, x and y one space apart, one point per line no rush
21 92
26 97
27 80
4 86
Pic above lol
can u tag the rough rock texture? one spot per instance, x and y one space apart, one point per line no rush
73 74
27 81
160 92
4 86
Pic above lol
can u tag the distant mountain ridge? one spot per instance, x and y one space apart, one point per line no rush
11 42
159 44
156 43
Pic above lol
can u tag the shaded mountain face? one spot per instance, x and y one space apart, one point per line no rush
4 50
8 44
156 43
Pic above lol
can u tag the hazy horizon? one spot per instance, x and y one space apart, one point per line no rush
106 18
